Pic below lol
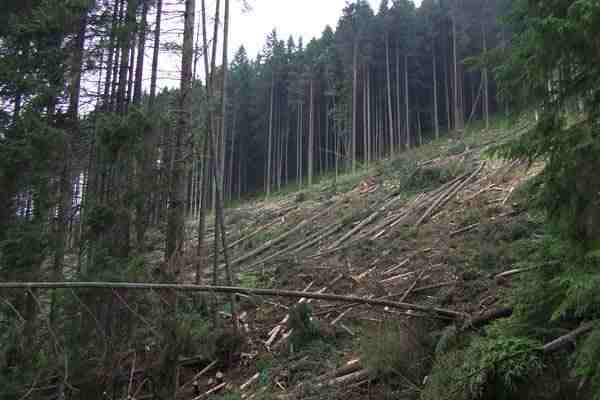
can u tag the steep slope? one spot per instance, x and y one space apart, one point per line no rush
429 228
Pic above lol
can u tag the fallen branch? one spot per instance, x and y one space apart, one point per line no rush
567 339
250 381
516 271
227 290
485 189
411 288
464 230
421 289
396 267
211 391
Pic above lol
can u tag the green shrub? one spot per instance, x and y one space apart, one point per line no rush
494 366
428 178
456 149
398 353
491 257
305 328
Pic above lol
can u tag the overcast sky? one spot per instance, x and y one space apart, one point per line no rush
306 18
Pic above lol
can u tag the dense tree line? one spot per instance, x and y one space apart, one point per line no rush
381 83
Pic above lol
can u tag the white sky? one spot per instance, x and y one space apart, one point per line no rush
306 18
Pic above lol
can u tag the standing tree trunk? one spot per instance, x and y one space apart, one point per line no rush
155 55
354 104
399 96
407 102
486 89
139 69
389 94
125 50
436 119
110 60
311 133
65 182
369 136
174 239
458 120
299 146
270 139
143 212
220 170
364 121
445 62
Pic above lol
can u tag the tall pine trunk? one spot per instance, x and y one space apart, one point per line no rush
389 95
354 104
436 119
458 119
407 102
486 89
311 133
270 138
139 68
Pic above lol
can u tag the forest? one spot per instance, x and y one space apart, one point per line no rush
145 227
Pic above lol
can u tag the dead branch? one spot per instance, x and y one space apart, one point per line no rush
516 271
412 287
449 194
464 230
227 290
396 267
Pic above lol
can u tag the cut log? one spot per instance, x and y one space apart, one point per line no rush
250 381
350 378
411 288
357 228
281 237
198 375
448 195
490 316
275 331
211 391
566 340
